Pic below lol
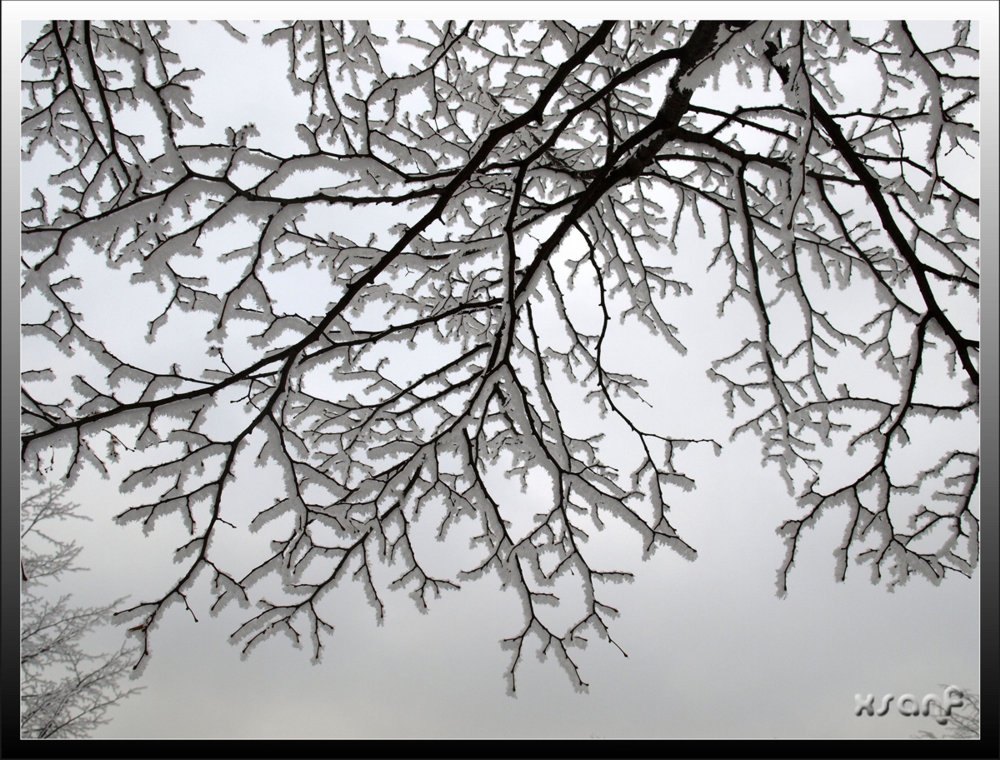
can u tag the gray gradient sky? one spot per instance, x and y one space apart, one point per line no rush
712 651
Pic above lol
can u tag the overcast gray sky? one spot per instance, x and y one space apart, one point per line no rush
712 651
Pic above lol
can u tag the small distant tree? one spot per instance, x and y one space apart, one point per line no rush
65 691
961 723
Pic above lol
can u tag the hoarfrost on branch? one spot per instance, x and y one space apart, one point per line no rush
418 298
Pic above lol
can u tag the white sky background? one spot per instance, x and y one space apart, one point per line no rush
712 651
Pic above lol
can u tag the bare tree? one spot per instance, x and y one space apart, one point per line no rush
426 289
65 691
962 723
